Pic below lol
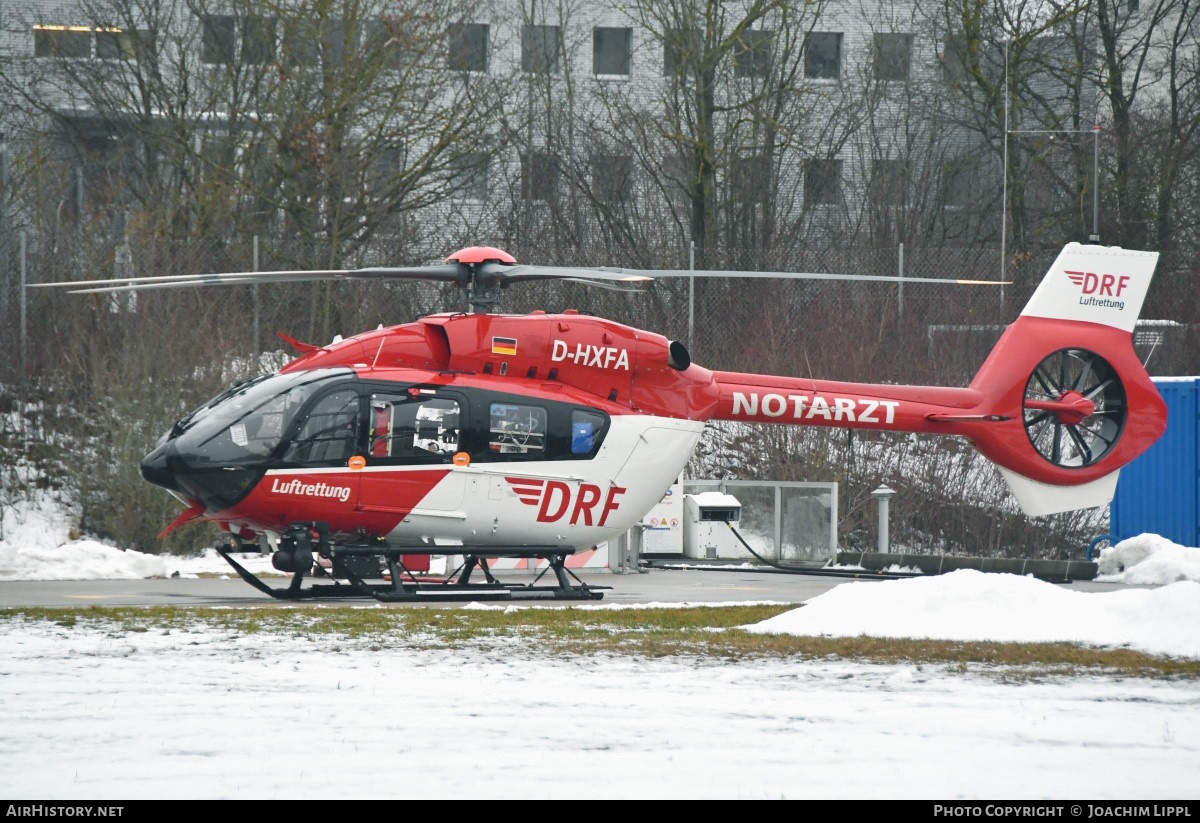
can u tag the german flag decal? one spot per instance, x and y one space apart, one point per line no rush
504 345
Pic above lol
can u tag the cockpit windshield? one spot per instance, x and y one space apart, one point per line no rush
249 421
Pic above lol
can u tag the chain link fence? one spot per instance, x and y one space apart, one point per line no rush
913 332
105 374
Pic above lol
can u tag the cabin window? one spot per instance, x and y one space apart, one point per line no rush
516 429
406 431
586 427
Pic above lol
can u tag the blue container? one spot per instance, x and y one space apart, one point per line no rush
1159 492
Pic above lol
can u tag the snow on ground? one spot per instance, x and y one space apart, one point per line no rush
1148 559
964 605
94 711
209 713
972 605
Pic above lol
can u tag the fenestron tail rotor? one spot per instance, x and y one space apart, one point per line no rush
1074 408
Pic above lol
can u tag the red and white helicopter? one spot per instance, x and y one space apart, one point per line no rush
493 435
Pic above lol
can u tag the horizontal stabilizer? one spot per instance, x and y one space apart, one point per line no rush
1038 499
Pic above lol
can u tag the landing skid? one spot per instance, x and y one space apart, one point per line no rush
406 587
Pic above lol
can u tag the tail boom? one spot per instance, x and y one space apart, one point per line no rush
761 398
1060 405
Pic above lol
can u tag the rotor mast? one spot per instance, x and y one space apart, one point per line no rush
481 295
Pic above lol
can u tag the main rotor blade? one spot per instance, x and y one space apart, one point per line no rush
486 275
601 284
448 273
608 272
492 273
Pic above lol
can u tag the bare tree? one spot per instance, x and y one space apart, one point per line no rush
1146 68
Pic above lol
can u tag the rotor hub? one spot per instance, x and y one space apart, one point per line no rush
481 254
1071 408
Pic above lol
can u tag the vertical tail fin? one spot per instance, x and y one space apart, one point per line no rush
1077 403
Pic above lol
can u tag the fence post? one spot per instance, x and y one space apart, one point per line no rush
24 348
5 249
778 524
900 286
691 295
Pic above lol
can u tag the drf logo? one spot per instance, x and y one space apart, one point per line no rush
553 498
1099 284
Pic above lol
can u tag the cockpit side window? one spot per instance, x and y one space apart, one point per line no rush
328 435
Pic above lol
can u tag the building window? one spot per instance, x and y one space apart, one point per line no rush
85 42
468 44
112 44
612 178
219 39
539 176
540 46
217 44
680 48
387 42
258 40
678 174
955 58
752 54
469 176
891 55
959 184
62 41
385 165
217 156
612 50
307 43
823 55
751 179
887 183
822 182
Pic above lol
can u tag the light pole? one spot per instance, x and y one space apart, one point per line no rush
1004 183
1095 131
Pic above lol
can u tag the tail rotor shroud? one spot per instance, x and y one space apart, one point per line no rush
1074 408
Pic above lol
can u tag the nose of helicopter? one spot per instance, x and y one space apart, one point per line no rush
155 469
